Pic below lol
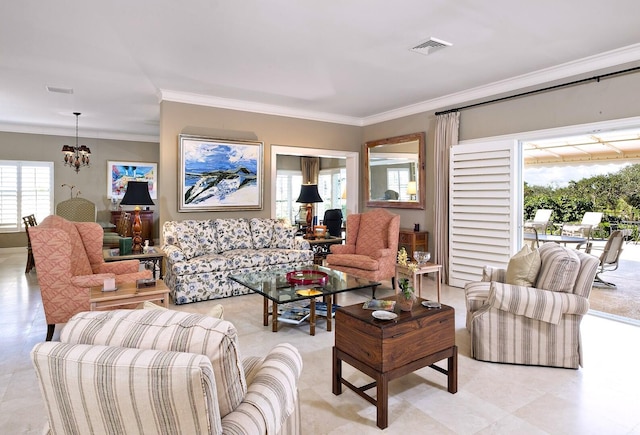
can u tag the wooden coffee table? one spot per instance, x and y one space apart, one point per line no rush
128 294
388 349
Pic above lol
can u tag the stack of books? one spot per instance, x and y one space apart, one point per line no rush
293 315
321 309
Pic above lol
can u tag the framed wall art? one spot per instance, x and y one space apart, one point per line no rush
120 173
219 174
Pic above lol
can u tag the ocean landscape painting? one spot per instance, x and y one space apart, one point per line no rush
219 174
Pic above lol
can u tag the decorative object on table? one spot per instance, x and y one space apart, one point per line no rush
304 277
137 194
384 315
145 283
219 174
421 257
78 155
321 309
379 304
120 173
309 195
403 260
416 227
320 231
406 296
125 246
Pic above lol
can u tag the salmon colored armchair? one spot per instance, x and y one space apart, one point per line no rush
371 248
70 261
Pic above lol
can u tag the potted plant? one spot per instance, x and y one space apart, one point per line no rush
406 296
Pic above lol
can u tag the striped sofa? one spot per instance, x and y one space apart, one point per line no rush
537 325
164 372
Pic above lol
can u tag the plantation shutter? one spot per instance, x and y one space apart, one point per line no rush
485 207
25 188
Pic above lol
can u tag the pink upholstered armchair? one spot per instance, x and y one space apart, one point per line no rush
371 248
69 259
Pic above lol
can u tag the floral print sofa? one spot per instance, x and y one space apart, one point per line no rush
201 254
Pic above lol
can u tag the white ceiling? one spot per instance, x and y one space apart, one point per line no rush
342 61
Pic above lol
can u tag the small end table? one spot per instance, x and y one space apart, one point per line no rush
417 276
155 256
128 294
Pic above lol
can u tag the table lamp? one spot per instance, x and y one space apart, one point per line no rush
308 195
137 194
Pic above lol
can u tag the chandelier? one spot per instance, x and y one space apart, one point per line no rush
76 156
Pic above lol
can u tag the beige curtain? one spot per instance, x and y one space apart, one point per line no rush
310 167
447 126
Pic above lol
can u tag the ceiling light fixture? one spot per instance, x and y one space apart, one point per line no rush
76 156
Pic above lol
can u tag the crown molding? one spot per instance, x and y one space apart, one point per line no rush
86 133
249 106
608 59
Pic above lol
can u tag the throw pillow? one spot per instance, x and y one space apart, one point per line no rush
283 236
233 234
523 267
189 242
217 311
559 269
261 232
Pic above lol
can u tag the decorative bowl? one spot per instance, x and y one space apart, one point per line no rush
422 256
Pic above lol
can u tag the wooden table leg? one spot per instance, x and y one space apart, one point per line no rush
265 311
382 400
312 316
438 282
337 373
452 369
329 312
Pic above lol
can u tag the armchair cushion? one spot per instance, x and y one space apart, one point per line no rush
68 374
170 331
559 269
523 267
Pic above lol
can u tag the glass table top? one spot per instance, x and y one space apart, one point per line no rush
273 284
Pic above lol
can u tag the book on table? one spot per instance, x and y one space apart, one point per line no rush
378 304
293 315
321 309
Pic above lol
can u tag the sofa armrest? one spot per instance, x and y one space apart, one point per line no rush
301 244
490 273
342 249
272 395
539 304
94 280
174 254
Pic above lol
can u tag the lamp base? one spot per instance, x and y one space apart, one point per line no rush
309 233
136 229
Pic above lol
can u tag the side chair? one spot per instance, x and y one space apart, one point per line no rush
29 221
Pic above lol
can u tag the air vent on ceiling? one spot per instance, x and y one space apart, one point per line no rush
60 90
431 45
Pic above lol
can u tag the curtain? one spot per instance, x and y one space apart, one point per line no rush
310 167
447 126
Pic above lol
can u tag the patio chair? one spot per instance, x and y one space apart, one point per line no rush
585 228
541 220
609 259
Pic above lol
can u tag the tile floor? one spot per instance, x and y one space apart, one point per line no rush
601 398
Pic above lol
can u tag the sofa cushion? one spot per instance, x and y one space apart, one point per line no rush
233 234
559 268
363 262
523 267
283 236
172 331
188 240
262 232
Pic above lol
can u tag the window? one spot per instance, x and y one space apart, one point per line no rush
287 191
331 186
25 188
397 180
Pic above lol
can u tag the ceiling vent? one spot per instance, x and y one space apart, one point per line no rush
60 90
431 45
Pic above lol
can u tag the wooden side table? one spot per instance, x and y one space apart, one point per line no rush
413 241
388 349
155 257
128 294
417 276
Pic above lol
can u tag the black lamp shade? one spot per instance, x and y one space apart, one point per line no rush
308 194
137 193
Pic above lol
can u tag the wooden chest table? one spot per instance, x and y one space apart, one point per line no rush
389 349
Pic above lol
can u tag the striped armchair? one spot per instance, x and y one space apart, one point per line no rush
164 371
537 325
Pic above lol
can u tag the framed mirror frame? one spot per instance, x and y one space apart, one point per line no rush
419 202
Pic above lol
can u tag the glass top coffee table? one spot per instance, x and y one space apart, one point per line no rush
293 284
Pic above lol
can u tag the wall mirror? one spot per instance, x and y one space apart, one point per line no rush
395 172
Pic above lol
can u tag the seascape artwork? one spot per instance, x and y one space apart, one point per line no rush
120 173
219 175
